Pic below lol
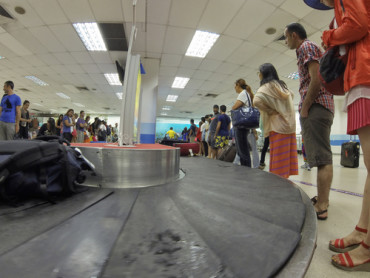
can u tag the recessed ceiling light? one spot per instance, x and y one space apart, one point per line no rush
37 80
20 10
90 36
119 95
270 31
201 43
172 98
78 104
60 94
180 82
112 78
293 75
167 108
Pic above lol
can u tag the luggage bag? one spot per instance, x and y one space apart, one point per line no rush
44 168
350 154
228 153
185 147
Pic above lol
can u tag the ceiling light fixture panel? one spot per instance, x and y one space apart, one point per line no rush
172 98
62 95
164 114
119 95
37 80
180 82
166 108
113 79
90 36
201 43
78 104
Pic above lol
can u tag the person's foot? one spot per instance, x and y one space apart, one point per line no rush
304 166
262 166
353 239
321 211
308 167
356 257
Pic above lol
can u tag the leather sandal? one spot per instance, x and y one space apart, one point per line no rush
339 247
314 200
319 213
349 266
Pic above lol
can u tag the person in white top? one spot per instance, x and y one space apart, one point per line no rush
241 142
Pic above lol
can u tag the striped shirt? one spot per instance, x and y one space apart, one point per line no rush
307 52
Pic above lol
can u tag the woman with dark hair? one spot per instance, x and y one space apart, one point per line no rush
245 98
275 102
48 129
59 124
352 35
68 123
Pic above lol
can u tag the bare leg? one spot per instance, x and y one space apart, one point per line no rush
324 179
361 254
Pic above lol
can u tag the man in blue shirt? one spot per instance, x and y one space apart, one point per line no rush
10 112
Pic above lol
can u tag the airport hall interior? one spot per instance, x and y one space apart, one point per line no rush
185 138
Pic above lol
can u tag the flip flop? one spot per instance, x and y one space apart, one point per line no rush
338 245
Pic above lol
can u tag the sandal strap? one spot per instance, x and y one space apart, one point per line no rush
365 245
361 230
349 259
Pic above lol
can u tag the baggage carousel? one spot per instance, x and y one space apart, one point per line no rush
195 217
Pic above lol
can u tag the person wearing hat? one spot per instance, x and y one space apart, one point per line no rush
352 33
48 128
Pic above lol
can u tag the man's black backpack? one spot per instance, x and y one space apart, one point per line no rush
42 168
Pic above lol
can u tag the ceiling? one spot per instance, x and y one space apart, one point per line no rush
42 42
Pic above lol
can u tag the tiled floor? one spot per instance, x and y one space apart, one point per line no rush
343 213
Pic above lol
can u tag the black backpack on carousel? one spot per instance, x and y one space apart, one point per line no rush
44 168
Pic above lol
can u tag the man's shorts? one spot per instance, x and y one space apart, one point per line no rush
221 141
316 135
212 141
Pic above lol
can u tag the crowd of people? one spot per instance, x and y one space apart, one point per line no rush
351 31
16 123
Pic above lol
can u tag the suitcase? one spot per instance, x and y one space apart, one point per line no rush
228 154
185 147
350 154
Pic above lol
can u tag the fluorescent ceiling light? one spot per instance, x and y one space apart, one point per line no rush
78 104
60 94
167 108
119 95
172 98
112 78
293 75
180 82
164 114
37 80
37 104
90 36
201 43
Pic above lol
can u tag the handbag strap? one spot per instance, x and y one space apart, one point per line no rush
249 100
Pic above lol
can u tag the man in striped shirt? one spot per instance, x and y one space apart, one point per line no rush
316 109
